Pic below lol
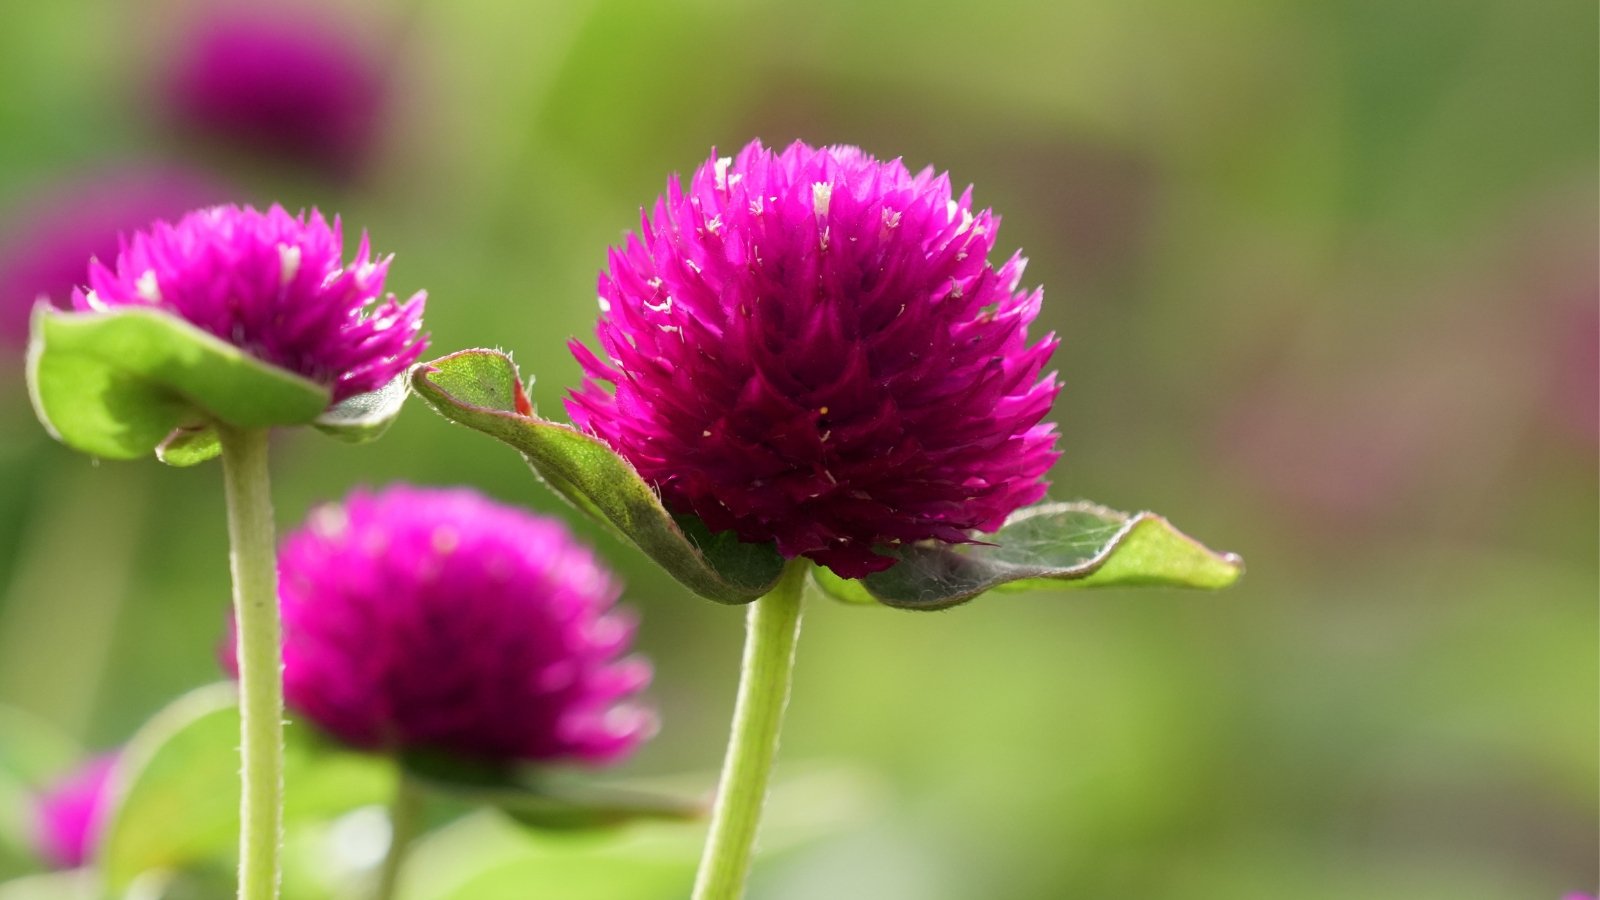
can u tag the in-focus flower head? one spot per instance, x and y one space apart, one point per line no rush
812 348
435 619
272 284
47 240
68 814
286 82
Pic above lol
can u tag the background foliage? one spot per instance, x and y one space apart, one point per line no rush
1326 278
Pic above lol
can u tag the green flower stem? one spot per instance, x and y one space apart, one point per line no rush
255 604
405 815
771 631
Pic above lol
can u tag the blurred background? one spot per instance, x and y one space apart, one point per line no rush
1326 278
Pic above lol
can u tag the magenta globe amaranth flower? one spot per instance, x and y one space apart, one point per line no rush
436 619
274 285
288 83
67 815
812 348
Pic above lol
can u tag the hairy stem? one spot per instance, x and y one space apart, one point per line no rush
253 560
772 629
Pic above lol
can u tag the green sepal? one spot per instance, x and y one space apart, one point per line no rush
118 384
542 800
189 446
1053 546
482 390
365 417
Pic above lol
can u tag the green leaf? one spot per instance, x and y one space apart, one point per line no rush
176 787
365 417
483 857
32 754
546 801
75 884
483 390
1048 547
117 384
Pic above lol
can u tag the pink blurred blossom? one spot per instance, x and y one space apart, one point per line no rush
69 813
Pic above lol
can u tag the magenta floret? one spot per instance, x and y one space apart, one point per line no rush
433 619
811 348
274 285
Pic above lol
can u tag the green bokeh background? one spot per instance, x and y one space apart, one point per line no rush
1325 274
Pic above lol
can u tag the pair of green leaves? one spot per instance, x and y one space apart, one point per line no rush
1056 545
122 384
125 383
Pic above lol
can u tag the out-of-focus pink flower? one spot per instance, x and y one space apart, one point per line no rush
47 242
274 285
812 348
285 83
68 814
1574 392
432 619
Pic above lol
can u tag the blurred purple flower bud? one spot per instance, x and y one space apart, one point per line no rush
292 85
433 619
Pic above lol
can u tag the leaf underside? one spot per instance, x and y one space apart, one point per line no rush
120 384
1053 546
482 390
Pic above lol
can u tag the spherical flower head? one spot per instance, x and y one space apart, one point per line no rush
68 815
811 348
272 284
48 239
433 619
288 84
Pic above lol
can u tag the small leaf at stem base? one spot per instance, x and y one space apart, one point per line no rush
365 417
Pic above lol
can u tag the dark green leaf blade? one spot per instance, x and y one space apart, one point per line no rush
545 801
116 384
481 855
1051 546
365 417
482 390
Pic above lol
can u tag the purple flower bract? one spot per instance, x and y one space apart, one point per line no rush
67 816
436 619
275 286
811 348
